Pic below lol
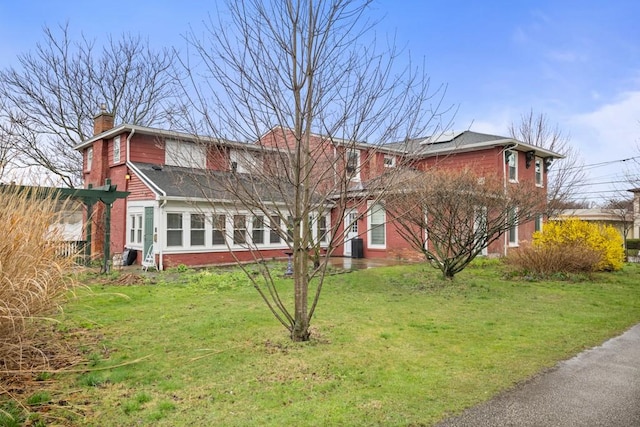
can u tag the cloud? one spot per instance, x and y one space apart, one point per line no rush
567 56
612 131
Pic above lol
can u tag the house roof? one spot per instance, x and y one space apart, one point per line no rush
460 141
593 214
182 136
178 183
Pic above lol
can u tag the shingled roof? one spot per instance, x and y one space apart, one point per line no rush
458 141
179 183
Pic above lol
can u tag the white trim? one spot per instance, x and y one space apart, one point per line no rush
513 158
370 208
538 171
114 144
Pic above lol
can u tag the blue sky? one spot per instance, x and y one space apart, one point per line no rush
576 61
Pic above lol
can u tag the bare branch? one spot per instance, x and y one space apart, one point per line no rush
52 96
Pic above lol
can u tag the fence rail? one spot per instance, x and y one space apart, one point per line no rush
73 248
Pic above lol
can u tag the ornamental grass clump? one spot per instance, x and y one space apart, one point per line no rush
571 246
33 274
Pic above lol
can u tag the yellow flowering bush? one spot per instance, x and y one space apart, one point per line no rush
574 233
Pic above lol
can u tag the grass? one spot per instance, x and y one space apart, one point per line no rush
390 346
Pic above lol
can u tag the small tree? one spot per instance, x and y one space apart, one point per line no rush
304 80
51 97
622 210
450 216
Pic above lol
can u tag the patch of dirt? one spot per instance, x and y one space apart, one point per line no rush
129 279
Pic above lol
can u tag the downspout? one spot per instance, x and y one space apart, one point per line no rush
160 251
127 168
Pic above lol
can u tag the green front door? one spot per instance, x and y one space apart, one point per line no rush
148 230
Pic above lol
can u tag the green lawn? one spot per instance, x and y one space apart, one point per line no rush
391 346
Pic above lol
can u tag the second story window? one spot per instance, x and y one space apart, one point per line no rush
511 159
89 158
184 154
116 149
353 164
538 171
389 161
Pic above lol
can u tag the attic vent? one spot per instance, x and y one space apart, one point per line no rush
156 167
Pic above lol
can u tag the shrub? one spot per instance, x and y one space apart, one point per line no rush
571 246
546 261
633 244
33 273
605 240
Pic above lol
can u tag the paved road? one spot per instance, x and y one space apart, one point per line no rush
599 387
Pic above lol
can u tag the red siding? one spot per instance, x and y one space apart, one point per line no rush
147 149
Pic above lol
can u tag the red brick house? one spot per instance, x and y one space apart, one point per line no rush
168 214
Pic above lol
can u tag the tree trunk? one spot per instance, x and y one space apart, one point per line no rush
300 330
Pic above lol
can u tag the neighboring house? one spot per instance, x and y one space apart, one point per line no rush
620 219
170 215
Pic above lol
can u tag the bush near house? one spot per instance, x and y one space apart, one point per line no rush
571 246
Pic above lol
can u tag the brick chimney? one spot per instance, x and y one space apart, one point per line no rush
103 121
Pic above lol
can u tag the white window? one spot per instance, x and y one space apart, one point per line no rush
174 229
219 228
377 232
321 228
239 229
89 158
389 161
480 227
116 149
513 230
197 229
257 230
244 161
538 222
353 164
512 164
274 226
135 228
184 154
538 171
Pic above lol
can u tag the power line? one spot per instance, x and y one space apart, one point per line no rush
597 165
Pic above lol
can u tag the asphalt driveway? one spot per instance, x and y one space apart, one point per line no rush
599 387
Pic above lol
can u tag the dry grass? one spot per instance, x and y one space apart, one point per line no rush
33 277
552 259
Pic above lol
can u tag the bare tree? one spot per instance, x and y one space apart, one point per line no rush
622 210
54 92
450 216
306 82
7 151
564 177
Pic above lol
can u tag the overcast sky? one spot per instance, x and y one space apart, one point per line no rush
576 61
